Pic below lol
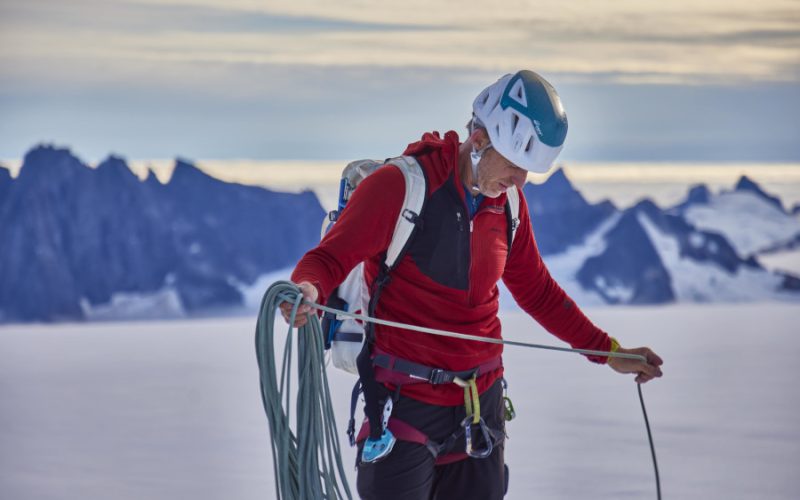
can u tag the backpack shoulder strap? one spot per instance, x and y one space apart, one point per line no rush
407 223
512 214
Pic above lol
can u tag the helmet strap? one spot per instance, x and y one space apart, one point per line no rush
475 158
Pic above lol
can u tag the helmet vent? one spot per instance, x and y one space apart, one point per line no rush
518 93
529 145
515 122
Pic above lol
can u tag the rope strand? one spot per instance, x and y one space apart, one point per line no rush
465 336
650 439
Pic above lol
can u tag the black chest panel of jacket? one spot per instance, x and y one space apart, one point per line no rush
441 247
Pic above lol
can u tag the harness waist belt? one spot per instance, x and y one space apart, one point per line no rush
442 452
398 371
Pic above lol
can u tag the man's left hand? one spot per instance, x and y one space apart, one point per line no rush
645 371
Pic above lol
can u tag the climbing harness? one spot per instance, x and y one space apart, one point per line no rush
306 463
400 372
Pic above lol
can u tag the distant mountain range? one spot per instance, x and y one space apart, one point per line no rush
76 241
74 237
702 250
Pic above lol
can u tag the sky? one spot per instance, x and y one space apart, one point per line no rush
641 80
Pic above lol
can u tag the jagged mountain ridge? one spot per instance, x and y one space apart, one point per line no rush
752 220
747 184
650 256
560 215
70 234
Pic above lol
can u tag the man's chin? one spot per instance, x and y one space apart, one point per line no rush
492 193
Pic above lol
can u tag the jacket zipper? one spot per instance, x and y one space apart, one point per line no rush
469 274
459 252
488 208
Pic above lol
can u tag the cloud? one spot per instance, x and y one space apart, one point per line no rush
147 17
345 79
695 42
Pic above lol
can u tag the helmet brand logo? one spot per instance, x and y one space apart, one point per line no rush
538 127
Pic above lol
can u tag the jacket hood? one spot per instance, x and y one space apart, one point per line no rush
433 144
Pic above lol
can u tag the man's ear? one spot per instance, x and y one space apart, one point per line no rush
479 138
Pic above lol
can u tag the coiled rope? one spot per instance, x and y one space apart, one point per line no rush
307 463
286 448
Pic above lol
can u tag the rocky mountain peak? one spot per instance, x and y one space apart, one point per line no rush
748 185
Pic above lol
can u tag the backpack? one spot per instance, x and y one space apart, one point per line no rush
344 335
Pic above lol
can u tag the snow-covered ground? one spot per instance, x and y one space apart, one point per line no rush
163 304
171 409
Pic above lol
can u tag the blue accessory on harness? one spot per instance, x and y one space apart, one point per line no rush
376 449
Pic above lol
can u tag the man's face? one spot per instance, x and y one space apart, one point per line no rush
496 174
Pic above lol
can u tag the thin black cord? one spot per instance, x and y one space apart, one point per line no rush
650 438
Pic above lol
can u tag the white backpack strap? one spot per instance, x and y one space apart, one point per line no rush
416 189
512 196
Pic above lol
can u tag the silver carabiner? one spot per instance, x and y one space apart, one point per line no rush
467 425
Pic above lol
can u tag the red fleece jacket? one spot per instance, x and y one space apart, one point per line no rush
363 232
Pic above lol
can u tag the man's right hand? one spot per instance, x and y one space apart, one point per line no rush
310 294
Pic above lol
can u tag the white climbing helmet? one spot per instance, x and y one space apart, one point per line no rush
524 118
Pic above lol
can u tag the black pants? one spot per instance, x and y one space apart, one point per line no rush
409 471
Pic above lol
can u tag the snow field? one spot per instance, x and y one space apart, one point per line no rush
171 409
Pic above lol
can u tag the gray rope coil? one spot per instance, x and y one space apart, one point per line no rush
307 463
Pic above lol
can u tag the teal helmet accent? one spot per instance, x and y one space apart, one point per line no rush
524 118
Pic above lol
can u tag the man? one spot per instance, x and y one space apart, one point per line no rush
448 280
